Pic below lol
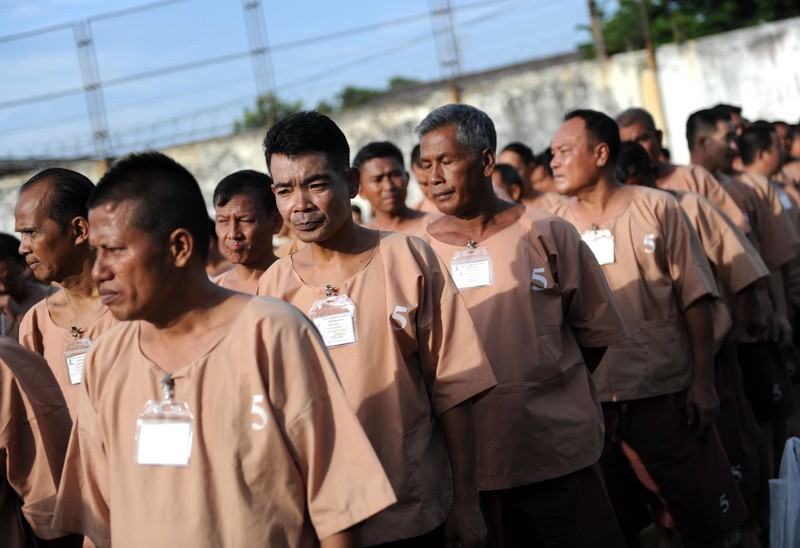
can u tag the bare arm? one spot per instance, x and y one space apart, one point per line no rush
465 526
702 403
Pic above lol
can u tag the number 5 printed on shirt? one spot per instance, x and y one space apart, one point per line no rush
258 410
538 282
398 316
649 243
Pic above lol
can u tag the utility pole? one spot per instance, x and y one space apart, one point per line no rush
597 31
656 107
92 88
447 49
259 54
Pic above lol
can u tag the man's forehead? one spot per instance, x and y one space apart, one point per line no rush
381 163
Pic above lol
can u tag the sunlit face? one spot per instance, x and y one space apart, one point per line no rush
458 181
12 278
133 273
513 159
384 183
244 229
313 197
47 248
638 132
575 160
720 146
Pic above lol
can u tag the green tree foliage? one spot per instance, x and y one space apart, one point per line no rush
268 110
679 20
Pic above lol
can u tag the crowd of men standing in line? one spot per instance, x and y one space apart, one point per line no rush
552 350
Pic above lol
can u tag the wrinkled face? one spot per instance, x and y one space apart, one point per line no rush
720 147
47 248
458 181
638 132
12 278
384 183
132 272
313 197
244 229
575 161
513 159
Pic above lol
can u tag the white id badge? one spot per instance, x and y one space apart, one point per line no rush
74 356
472 268
164 434
786 202
335 317
601 242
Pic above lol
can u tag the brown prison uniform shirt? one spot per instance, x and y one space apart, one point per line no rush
36 292
39 333
417 356
221 280
548 297
34 431
734 260
659 270
278 457
697 179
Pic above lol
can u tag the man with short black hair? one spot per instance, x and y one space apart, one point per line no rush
657 385
246 220
397 330
208 417
529 167
51 218
384 184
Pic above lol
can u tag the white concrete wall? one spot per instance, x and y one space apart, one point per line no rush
758 68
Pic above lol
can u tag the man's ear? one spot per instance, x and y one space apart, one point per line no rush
353 178
181 246
488 160
601 154
80 230
277 223
516 193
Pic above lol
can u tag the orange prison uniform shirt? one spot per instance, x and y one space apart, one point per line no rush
278 457
426 205
221 281
414 227
697 179
546 200
790 200
548 297
734 260
659 271
36 292
34 431
39 333
417 355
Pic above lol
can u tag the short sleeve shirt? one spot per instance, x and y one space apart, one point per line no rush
278 457
34 431
417 355
40 333
659 270
548 298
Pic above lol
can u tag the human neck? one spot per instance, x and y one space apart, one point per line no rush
384 220
597 198
348 241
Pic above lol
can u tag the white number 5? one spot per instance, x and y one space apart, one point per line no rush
397 316
537 277
259 412
649 243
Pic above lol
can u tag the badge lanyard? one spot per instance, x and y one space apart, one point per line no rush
472 267
75 355
164 430
335 318
601 242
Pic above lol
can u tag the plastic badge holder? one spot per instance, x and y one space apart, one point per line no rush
164 432
472 268
601 242
335 318
75 355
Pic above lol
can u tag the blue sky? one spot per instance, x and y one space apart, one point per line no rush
205 101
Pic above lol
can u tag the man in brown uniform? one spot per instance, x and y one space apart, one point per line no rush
34 430
17 292
544 315
657 385
246 220
636 124
384 184
51 218
207 417
521 157
397 330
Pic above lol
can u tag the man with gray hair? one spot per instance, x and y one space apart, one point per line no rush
545 316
